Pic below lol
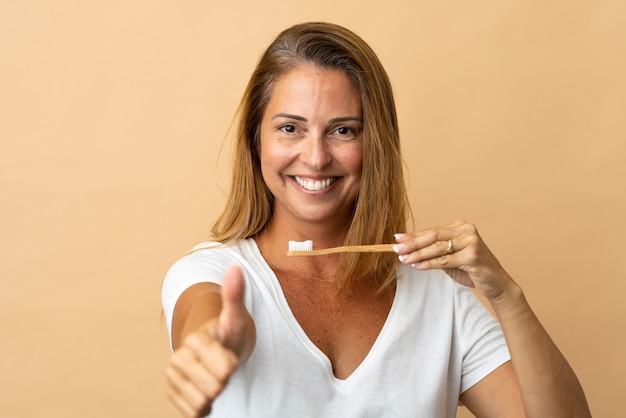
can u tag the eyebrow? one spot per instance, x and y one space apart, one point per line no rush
303 119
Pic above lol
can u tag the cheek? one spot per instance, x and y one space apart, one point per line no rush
353 160
273 159
358 164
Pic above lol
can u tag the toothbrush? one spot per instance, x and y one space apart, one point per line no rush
305 248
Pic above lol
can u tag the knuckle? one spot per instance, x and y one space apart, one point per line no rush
192 340
418 255
470 228
227 367
195 398
473 241
443 261
171 372
472 255
431 236
178 361
211 392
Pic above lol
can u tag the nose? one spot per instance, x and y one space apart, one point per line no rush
316 153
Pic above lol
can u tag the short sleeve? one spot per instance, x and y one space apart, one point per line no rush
481 338
207 265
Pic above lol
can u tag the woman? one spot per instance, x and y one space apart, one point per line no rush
258 333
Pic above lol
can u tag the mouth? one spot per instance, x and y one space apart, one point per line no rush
315 185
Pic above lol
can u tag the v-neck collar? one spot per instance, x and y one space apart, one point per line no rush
375 351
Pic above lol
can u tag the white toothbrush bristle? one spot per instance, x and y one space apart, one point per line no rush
301 246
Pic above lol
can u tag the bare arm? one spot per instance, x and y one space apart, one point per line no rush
212 333
548 385
538 382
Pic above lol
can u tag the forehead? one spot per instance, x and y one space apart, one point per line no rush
309 84
310 70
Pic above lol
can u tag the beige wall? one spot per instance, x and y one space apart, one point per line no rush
111 115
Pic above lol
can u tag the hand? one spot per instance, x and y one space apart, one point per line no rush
200 368
460 252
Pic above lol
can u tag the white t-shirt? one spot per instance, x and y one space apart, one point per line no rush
437 342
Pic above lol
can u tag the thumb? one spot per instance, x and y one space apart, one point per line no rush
232 318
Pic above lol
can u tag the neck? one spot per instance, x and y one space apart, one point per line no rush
328 233
273 243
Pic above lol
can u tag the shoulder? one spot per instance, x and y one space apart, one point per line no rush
213 254
206 262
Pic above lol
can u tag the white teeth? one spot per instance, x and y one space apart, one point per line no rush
315 185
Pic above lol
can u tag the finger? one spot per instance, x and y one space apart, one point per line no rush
217 361
427 237
183 392
199 376
179 402
461 252
232 319
233 291
434 250
441 262
434 242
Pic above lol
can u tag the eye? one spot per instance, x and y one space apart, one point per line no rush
288 128
344 130
344 133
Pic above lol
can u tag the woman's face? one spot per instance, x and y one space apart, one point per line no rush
311 146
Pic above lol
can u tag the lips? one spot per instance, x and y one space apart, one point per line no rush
315 185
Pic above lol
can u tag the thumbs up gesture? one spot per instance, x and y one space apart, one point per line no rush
217 335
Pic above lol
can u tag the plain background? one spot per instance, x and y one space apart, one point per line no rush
112 114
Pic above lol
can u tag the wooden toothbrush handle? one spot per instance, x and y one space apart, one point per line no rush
376 248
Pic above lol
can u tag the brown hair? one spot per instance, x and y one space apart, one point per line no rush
382 208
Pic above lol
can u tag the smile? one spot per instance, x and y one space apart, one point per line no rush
315 185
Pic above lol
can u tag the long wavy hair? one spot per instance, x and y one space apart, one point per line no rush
382 207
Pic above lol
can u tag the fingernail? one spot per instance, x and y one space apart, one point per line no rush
403 258
398 248
398 237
